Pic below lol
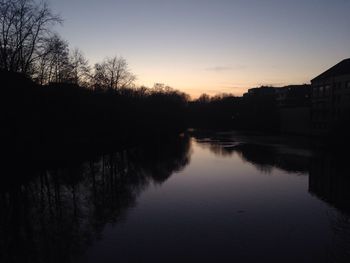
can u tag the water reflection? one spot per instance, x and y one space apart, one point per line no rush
328 178
223 204
328 171
264 156
54 217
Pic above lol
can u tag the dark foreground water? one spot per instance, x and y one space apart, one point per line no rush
200 198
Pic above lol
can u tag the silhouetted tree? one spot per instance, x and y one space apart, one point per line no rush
24 27
54 63
220 111
113 74
80 69
204 98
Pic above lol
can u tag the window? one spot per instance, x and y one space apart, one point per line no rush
320 91
327 90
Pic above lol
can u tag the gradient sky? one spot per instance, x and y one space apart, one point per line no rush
211 46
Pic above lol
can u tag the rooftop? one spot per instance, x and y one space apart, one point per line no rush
342 68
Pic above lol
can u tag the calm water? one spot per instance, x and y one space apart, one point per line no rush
200 198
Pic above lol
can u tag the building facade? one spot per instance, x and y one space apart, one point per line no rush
330 99
293 103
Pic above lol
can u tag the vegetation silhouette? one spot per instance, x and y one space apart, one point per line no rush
226 111
53 100
64 115
54 216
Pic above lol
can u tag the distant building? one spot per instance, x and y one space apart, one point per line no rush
330 98
289 106
293 104
260 92
293 96
259 109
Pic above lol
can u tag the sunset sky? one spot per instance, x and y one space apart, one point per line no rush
211 46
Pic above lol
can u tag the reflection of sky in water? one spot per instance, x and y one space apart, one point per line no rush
219 207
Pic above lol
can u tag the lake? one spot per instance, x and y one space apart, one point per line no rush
199 197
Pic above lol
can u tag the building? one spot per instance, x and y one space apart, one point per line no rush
293 103
330 99
293 96
262 91
286 109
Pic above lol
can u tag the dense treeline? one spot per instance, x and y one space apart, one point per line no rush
51 96
258 113
62 115
65 115
218 111
53 99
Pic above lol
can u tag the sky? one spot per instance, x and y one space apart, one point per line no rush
211 46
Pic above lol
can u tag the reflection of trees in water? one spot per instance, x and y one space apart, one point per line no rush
219 144
264 157
55 216
329 180
220 148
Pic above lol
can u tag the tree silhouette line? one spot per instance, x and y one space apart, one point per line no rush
59 212
53 98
